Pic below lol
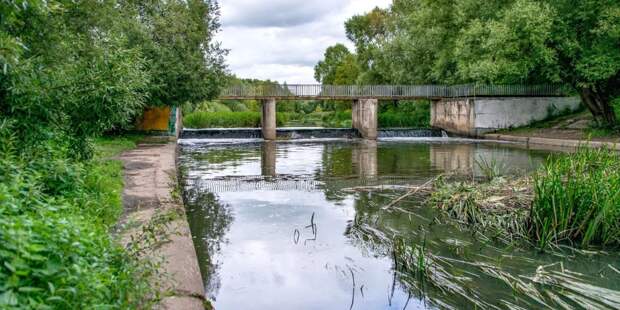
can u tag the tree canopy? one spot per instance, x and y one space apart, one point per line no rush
576 43
74 69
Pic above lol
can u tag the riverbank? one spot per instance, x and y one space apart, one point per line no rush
56 243
572 199
155 224
569 131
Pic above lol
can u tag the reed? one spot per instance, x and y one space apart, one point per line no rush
577 199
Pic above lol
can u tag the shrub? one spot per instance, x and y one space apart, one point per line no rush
577 198
55 247
407 114
227 119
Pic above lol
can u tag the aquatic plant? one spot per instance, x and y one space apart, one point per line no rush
577 199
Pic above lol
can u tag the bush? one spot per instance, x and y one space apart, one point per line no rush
577 198
55 247
407 114
338 119
227 119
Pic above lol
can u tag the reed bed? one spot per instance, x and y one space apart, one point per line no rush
577 199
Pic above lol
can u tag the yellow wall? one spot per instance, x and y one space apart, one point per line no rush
155 118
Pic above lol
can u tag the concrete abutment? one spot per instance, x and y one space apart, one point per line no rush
475 116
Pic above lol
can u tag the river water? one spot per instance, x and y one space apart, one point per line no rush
280 226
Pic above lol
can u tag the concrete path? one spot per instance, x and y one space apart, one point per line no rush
150 179
548 142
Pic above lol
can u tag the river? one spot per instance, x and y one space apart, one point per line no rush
285 226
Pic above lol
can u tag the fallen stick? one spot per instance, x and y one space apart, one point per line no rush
380 187
409 193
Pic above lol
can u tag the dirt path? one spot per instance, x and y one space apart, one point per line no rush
156 218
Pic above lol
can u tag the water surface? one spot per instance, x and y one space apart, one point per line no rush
277 226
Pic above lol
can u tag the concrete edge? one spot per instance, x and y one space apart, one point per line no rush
150 177
182 261
564 143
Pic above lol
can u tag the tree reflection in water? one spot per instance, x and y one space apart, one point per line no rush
209 221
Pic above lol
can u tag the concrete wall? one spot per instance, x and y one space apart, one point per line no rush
476 116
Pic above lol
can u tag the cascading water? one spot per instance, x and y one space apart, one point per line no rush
295 133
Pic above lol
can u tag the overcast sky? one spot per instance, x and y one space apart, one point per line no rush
282 40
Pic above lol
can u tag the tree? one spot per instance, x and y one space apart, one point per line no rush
494 41
338 67
185 63
577 43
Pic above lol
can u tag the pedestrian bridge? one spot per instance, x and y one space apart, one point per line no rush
462 109
385 92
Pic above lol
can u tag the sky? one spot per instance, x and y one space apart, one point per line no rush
282 40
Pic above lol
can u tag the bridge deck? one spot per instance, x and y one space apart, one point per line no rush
386 92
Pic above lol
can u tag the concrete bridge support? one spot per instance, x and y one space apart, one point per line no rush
364 115
268 119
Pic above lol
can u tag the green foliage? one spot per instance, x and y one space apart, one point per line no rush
185 63
336 119
339 67
497 42
203 119
577 198
55 247
405 114
110 146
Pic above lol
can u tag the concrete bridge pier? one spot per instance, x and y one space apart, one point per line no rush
364 117
268 119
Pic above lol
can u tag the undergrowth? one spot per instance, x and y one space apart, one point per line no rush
56 251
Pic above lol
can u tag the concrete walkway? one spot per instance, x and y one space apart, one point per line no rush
150 179
549 142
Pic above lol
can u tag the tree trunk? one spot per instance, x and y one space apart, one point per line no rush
599 106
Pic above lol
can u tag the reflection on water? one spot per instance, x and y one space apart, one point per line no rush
275 228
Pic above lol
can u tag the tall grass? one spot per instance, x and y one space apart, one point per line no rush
203 119
577 199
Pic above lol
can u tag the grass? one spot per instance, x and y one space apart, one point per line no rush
55 244
203 119
577 199
572 199
111 146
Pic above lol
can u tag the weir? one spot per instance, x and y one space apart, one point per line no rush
294 133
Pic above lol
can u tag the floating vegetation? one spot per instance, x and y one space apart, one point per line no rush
500 206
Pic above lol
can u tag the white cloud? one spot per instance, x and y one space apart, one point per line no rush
282 40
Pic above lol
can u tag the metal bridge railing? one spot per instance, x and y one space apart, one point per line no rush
389 91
